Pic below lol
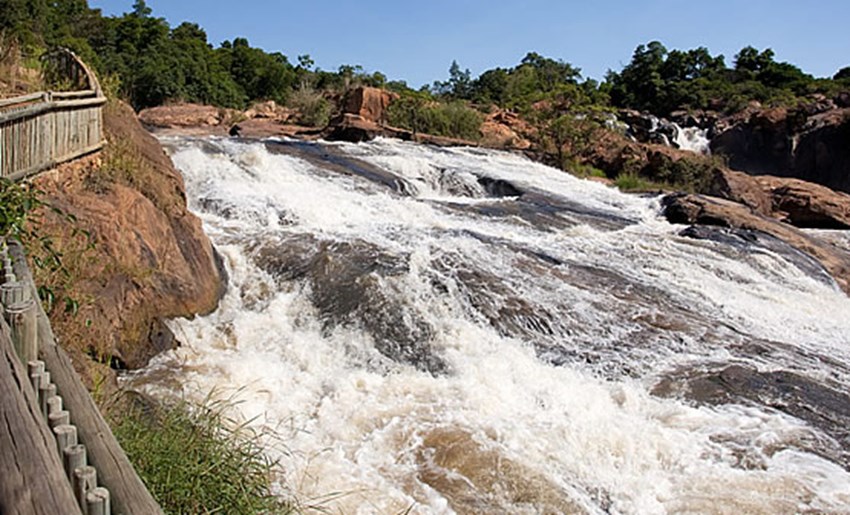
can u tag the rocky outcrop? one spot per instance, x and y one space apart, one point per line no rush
808 143
701 210
506 130
185 115
799 203
363 116
370 104
269 110
353 128
150 258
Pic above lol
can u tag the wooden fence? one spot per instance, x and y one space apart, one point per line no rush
57 453
41 130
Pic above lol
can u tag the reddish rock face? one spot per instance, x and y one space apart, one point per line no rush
183 115
369 103
503 129
797 202
151 259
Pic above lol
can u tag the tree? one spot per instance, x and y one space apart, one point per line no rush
551 72
141 9
843 74
751 60
459 85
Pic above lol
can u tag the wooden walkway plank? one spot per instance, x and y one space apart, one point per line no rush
31 476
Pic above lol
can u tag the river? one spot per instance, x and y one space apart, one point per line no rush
431 330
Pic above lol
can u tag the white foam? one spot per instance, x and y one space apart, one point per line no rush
354 421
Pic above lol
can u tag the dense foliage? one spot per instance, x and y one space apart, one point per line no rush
661 81
154 63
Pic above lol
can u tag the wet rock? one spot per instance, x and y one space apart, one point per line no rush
499 188
747 241
353 128
821 406
357 284
334 160
701 210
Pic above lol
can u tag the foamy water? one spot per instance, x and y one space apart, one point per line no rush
550 338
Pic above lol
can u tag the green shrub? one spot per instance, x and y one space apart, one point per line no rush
453 119
692 174
314 109
193 459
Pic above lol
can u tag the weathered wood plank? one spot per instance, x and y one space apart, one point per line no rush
128 493
23 99
32 479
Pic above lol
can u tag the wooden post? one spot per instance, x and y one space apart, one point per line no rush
43 381
85 479
97 502
66 436
59 418
31 477
45 393
12 292
22 319
35 368
54 405
73 457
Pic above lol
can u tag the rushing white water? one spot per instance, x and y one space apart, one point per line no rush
537 337
693 139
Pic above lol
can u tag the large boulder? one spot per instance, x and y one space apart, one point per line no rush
797 202
353 128
150 260
504 129
809 143
369 103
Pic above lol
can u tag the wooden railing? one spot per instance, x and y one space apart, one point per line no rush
41 130
57 453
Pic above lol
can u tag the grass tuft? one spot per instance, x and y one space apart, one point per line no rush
636 183
194 459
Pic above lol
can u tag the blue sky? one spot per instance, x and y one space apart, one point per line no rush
417 40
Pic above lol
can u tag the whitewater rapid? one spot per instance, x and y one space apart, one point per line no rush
477 333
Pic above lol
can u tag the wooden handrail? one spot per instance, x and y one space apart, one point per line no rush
46 107
129 495
22 99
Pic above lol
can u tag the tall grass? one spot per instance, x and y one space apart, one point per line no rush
193 459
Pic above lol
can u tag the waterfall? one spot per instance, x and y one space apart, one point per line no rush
467 331
693 139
